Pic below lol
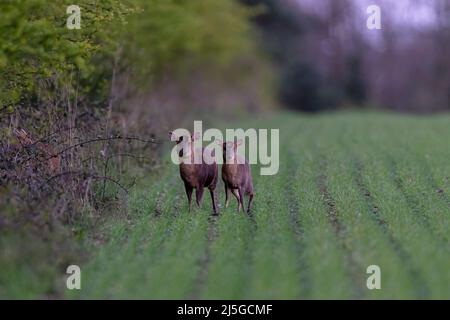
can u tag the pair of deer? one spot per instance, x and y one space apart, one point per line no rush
236 173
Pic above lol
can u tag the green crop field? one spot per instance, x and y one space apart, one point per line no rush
353 190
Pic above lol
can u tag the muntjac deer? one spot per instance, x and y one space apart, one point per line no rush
236 175
196 176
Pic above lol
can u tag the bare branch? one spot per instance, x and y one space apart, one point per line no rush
86 174
82 143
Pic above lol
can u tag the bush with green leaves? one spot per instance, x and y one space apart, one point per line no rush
38 51
176 35
39 54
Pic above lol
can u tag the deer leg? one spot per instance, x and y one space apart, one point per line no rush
188 189
236 194
213 199
227 195
199 196
241 198
250 200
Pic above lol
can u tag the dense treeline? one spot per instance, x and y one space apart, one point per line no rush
37 51
328 58
152 38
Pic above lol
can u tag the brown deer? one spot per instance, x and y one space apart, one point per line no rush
236 175
196 176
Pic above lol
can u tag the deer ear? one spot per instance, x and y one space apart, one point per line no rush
239 142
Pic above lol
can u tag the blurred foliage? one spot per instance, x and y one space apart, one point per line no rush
176 35
302 87
150 38
303 83
36 44
355 86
